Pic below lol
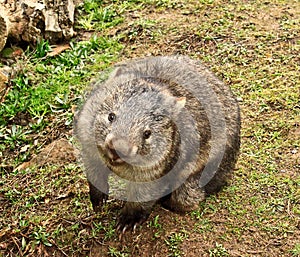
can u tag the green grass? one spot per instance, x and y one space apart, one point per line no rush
156 226
113 252
218 251
95 16
40 95
296 250
48 88
173 242
252 46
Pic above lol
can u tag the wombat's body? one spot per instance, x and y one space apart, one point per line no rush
166 127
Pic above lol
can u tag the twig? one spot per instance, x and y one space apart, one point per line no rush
61 250
19 249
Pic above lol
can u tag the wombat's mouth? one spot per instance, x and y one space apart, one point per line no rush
118 161
115 157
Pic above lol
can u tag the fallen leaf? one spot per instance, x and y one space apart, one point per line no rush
58 49
4 232
17 51
5 73
22 166
24 148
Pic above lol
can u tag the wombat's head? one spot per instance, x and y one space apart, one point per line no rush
136 125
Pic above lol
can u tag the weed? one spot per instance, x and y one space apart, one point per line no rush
110 231
171 4
95 16
155 222
42 48
173 242
206 1
296 250
14 136
41 236
143 28
156 225
204 225
113 252
218 251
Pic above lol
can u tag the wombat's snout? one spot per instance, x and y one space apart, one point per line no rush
118 149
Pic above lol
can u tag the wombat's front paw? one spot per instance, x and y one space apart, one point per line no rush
97 202
128 220
98 198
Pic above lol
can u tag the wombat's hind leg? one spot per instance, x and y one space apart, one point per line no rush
97 197
185 198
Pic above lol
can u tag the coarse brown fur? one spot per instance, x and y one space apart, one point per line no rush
165 125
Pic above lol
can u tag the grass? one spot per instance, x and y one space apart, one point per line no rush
218 251
46 90
252 46
173 242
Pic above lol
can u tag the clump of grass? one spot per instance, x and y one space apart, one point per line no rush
114 252
296 250
218 251
49 87
173 242
157 226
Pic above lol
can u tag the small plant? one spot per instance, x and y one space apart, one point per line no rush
155 224
296 250
204 225
173 242
97 16
97 228
110 231
207 2
14 136
168 4
114 252
218 251
42 48
41 237
142 28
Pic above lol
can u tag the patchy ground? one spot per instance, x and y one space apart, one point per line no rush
254 46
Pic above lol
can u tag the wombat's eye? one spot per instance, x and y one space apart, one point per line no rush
159 117
111 117
147 134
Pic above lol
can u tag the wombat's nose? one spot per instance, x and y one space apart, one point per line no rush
118 149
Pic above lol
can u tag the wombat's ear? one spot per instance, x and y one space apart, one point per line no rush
118 71
179 105
174 104
180 102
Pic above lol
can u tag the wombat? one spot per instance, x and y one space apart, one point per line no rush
166 128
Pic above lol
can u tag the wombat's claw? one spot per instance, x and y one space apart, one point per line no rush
130 221
134 227
104 198
124 229
97 205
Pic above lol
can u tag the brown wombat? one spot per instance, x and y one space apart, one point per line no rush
166 128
